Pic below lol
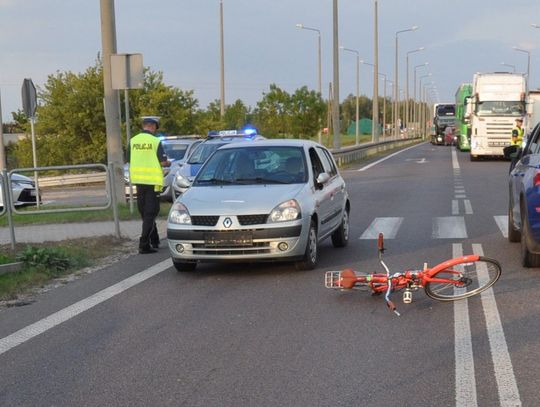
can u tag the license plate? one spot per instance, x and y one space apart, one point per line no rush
220 239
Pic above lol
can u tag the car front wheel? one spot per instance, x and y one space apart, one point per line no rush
309 261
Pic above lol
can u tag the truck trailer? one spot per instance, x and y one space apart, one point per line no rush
498 100
463 128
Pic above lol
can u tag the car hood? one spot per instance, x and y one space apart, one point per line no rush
21 178
238 199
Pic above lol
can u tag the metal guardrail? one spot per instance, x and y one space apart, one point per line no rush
73 179
351 154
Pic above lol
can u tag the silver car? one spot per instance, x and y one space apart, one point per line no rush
270 200
23 191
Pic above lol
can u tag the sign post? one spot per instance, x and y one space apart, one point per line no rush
29 99
127 73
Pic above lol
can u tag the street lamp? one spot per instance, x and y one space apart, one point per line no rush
510 65
303 27
373 139
415 110
335 90
357 90
528 62
396 95
375 100
407 113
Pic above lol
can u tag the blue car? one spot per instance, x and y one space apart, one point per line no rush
524 203
186 172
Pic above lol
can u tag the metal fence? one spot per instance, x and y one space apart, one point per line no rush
104 175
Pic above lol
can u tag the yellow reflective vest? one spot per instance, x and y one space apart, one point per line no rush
519 132
144 166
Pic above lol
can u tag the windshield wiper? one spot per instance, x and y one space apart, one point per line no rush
217 181
260 180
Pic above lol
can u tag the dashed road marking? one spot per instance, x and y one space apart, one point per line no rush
502 223
449 227
388 226
468 207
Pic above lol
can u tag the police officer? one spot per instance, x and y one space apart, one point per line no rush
517 133
146 157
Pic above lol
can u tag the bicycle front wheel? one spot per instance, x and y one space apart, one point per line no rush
464 280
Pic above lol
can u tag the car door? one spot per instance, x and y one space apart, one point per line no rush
336 186
321 193
529 158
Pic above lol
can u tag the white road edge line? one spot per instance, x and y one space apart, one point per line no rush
465 376
43 325
367 167
502 364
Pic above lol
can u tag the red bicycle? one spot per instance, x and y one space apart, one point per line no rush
454 279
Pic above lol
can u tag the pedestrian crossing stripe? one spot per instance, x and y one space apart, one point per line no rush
449 227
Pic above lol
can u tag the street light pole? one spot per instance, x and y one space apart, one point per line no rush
415 108
510 65
375 100
319 81
357 91
528 63
335 105
222 59
423 115
396 80
407 114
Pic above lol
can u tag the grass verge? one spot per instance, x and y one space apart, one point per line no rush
50 261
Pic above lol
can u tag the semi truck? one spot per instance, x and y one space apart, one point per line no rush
498 99
533 110
463 128
443 117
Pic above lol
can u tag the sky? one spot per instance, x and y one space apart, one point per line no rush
263 44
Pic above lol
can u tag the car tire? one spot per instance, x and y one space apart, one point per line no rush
309 261
514 235
528 259
340 237
184 266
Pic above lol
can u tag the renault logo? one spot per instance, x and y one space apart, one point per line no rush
227 222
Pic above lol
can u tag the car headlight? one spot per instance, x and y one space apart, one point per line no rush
286 211
179 214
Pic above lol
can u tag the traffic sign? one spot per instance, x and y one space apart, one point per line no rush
127 71
29 98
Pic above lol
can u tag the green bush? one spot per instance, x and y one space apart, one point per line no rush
52 261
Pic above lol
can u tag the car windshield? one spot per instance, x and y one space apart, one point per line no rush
500 108
446 110
254 165
175 151
202 152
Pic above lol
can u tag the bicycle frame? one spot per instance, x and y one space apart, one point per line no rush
387 283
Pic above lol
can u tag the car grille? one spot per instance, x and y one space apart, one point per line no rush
255 248
252 219
204 220
26 197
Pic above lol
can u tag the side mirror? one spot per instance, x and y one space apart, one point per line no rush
183 183
323 178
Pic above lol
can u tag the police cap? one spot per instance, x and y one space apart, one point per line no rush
151 119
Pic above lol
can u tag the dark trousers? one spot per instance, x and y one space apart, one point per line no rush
148 205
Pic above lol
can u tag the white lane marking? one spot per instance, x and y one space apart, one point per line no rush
468 207
455 162
504 372
455 207
388 226
367 167
502 223
465 377
449 227
460 196
67 313
459 190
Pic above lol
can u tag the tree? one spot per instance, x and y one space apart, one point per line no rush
306 110
272 114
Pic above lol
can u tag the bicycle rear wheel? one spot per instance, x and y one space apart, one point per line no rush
464 279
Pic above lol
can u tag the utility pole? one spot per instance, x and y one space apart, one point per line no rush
335 106
222 59
2 150
111 99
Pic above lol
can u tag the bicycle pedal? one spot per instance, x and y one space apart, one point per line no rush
407 296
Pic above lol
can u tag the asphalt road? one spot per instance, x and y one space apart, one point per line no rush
268 335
